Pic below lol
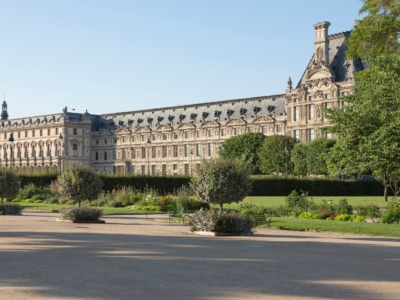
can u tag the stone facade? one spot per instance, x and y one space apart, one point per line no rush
173 140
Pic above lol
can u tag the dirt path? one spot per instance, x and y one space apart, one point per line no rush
130 257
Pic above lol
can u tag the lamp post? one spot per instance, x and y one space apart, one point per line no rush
190 159
11 141
148 155
286 154
60 139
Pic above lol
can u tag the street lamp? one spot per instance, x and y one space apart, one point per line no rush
190 158
148 155
60 139
11 141
286 154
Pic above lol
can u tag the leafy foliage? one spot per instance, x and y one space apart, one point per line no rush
392 215
8 208
80 213
378 32
225 222
79 183
317 152
244 146
368 126
220 181
299 156
9 184
273 156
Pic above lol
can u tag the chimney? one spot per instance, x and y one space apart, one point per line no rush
321 43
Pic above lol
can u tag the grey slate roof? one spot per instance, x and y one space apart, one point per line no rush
343 68
197 113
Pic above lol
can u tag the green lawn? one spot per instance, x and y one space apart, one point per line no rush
106 210
389 230
280 200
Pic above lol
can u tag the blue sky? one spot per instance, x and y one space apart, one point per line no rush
120 55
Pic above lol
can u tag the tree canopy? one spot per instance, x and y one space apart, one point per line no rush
369 124
273 155
244 146
221 181
79 183
378 32
9 183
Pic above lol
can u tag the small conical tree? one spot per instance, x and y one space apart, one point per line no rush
222 181
79 183
9 184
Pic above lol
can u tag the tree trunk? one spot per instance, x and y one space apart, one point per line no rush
385 193
220 208
79 204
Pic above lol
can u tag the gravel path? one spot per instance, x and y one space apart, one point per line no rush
130 257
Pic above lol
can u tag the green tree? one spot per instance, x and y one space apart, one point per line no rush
273 156
9 184
369 124
220 181
79 183
317 153
244 146
299 156
378 32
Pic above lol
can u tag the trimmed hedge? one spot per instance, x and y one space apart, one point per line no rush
263 186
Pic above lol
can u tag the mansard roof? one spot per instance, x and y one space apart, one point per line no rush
342 67
220 111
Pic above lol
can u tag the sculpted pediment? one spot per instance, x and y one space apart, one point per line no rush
122 130
164 127
262 119
143 129
235 121
209 123
186 125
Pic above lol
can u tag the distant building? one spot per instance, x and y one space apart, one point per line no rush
173 140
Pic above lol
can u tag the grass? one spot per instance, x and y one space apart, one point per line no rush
106 210
280 200
388 230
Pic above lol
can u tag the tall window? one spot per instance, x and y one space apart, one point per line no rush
186 134
296 113
187 169
187 150
164 169
105 155
56 131
175 136
198 149
164 151
311 134
175 150
236 131
105 141
26 133
264 129
223 132
96 155
74 131
133 153
114 154
250 129
164 136
153 152
19 134
40 132
198 134
48 131
153 137
75 150
143 152
297 134
143 169
210 133
33 133
210 149
311 115
278 128
153 169
143 138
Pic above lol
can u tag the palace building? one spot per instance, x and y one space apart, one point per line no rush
173 140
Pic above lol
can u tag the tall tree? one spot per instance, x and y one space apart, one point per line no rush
369 124
317 154
299 156
244 146
378 32
273 157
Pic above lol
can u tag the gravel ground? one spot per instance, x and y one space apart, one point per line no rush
130 257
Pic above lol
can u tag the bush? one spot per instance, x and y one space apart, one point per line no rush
9 184
308 215
147 207
223 222
80 213
297 200
370 211
344 207
392 215
165 202
344 217
9 208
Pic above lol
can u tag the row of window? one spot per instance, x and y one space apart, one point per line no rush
310 110
310 134
148 169
33 133
18 151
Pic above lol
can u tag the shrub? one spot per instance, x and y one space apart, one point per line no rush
358 219
79 183
392 215
344 207
297 201
343 217
223 222
9 208
9 184
308 215
80 213
147 207
371 211
182 199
